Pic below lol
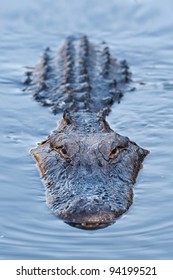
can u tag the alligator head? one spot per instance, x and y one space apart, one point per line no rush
88 170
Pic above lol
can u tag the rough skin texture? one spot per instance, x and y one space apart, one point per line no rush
87 168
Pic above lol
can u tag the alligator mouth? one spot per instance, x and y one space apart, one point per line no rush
92 221
90 226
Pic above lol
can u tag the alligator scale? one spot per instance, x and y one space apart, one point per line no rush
87 168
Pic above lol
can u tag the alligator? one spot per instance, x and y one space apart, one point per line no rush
87 168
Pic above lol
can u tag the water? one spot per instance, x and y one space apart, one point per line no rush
139 31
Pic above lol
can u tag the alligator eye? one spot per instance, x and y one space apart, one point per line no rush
114 153
63 151
64 154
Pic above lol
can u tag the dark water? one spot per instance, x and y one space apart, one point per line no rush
139 31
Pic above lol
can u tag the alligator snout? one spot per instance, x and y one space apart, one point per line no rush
89 213
94 212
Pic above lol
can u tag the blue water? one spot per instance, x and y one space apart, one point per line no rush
139 31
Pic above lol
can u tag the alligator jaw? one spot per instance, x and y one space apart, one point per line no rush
95 216
90 226
95 222
92 222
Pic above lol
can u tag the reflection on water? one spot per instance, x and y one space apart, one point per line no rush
139 31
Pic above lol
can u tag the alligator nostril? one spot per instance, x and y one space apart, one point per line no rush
96 200
99 163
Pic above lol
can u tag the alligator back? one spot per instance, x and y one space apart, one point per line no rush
80 76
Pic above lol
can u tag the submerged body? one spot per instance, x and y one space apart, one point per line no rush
87 168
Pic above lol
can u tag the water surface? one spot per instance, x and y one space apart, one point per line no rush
139 31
